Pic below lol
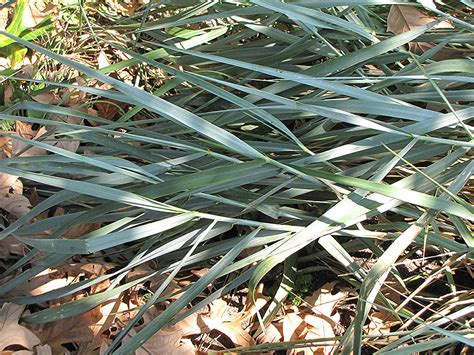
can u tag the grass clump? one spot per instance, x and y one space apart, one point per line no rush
239 143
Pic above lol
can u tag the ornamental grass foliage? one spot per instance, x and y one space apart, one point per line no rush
250 176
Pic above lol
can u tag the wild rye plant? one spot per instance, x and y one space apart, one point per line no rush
298 128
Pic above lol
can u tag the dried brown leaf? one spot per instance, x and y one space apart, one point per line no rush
12 333
323 301
403 18
168 341
4 18
36 11
47 98
7 93
270 335
45 281
10 184
43 350
220 320
16 205
76 330
292 326
380 323
102 60
10 245
126 8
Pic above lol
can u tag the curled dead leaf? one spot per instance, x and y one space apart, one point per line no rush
10 184
36 11
102 60
4 17
126 8
12 333
270 335
323 301
16 205
380 324
292 326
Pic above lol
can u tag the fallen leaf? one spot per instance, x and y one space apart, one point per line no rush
7 93
126 8
25 130
167 341
403 18
107 110
5 146
43 350
76 330
45 281
380 323
12 333
36 11
230 326
320 323
323 302
270 335
10 245
10 184
24 149
291 323
80 229
3 18
320 326
16 205
102 60
47 98
111 310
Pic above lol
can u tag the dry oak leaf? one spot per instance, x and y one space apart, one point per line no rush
381 322
403 18
10 245
323 322
233 326
38 350
230 326
126 7
76 330
36 11
16 205
25 149
292 326
48 280
111 310
167 341
10 184
47 98
102 60
5 146
270 335
323 302
13 334
4 17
